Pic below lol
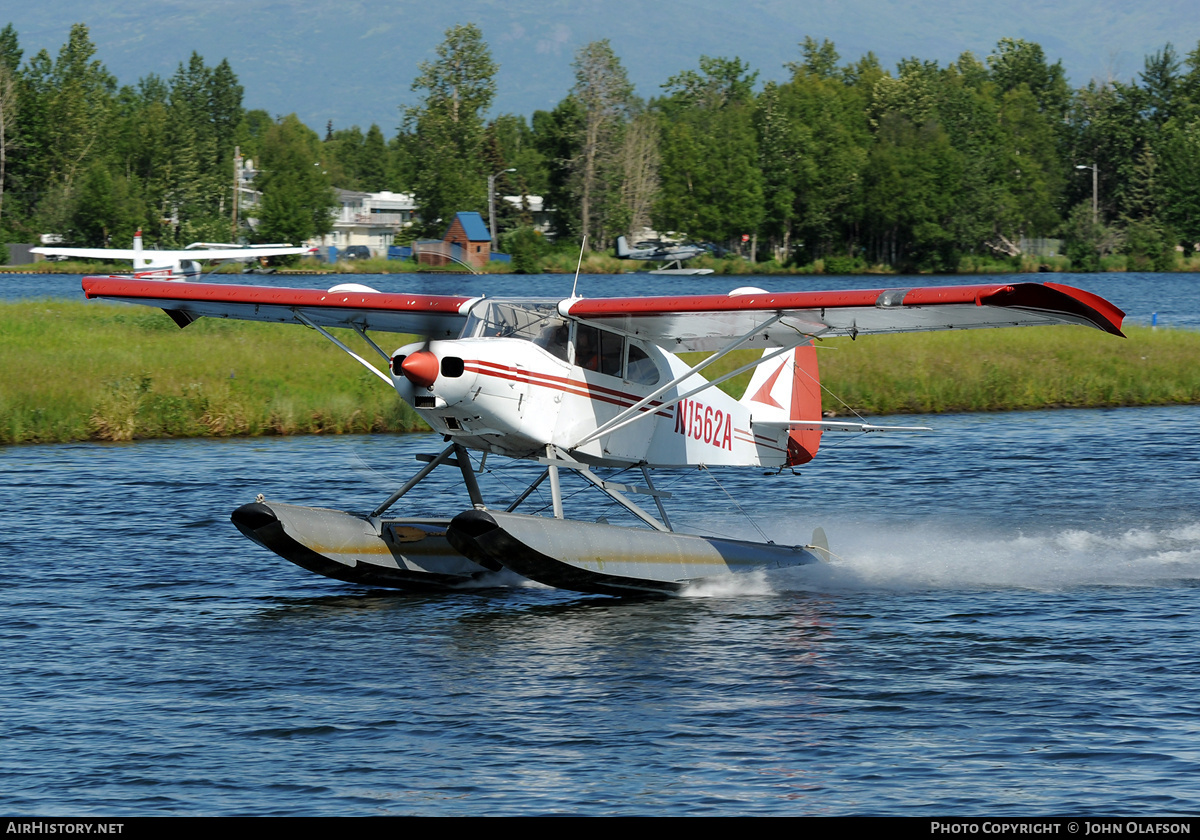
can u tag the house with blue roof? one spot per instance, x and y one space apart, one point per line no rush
467 240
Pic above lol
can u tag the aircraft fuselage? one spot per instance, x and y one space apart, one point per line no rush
554 383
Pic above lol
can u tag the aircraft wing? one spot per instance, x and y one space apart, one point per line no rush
166 257
93 253
692 322
429 315
708 322
233 253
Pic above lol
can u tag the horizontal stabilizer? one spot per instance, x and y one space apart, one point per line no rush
837 426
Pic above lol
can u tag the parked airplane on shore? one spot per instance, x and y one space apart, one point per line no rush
658 251
174 265
578 385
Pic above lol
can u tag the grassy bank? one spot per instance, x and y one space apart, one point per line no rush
88 371
79 371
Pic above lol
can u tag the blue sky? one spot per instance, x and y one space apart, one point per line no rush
353 62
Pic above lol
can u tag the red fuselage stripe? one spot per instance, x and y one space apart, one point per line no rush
562 383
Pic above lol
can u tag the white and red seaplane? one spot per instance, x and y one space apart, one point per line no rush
579 385
185 264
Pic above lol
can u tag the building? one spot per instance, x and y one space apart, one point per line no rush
533 207
370 219
467 241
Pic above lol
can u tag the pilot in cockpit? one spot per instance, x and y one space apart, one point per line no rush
554 338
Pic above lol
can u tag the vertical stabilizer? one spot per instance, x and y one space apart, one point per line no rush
788 388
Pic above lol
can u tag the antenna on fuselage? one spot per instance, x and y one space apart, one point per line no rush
578 265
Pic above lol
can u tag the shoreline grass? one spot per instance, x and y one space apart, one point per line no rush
94 371
76 371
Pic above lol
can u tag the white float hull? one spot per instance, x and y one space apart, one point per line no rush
398 552
608 559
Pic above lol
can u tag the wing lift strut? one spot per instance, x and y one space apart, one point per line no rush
303 319
636 411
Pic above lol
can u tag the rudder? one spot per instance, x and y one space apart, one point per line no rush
789 388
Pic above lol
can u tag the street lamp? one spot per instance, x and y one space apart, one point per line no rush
492 204
1095 178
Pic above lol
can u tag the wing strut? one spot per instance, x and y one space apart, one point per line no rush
304 320
612 426
634 412
363 334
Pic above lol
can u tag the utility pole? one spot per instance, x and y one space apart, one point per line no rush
492 205
237 183
1095 190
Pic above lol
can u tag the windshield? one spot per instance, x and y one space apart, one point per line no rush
538 322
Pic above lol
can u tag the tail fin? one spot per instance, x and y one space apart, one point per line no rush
622 247
789 388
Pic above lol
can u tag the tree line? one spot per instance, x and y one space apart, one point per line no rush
93 162
848 162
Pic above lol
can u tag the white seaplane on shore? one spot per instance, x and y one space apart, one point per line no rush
151 264
579 385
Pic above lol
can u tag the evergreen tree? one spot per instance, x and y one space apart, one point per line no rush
450 172
373 165
297 200
712 186
69 100
558 136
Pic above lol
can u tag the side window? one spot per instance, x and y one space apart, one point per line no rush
612 349
587 347
598 350
641 368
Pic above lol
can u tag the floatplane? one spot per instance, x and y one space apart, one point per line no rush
658 251
180 265
578 386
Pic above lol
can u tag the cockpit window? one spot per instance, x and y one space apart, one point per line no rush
595 349
554 338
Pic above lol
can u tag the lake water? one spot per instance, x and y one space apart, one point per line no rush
1010 626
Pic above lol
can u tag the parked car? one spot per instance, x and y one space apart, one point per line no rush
356 252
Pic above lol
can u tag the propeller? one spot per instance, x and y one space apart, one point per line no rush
421 368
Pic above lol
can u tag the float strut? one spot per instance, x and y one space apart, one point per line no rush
415 480
468 474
